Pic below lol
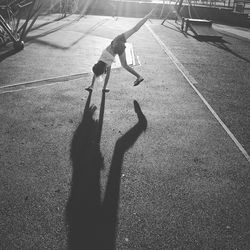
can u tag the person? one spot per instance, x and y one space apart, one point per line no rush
117 46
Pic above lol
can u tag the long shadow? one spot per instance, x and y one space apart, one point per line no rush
47 23
221 44
176 28
111 198
227 49
8 53
242 39
218 42
92 223
84 203
53 30
34 39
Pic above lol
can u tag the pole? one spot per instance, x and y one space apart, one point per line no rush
163 6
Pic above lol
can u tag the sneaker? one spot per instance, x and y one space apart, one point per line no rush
138 81
105 90
89 89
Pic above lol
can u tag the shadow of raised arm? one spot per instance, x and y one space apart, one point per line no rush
111 199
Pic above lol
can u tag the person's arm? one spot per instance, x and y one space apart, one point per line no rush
107 77
93 80
92 83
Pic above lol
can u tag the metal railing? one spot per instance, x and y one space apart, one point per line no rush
16 19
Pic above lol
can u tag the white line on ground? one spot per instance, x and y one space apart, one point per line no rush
52 81
38 83
192 82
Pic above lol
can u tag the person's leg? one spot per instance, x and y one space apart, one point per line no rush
129 69
130 32
126 66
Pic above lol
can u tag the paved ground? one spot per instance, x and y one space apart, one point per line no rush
151 167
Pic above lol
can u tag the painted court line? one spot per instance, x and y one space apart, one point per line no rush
38 83
192 82
56 80
131 60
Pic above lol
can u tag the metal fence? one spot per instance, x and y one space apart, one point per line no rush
237 5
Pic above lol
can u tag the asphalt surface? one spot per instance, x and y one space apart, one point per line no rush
150 167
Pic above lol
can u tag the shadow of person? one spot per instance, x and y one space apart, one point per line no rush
92 223
111 198
84 203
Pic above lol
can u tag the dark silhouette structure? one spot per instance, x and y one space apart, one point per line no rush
91 222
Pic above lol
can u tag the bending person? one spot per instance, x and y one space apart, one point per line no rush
117 46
